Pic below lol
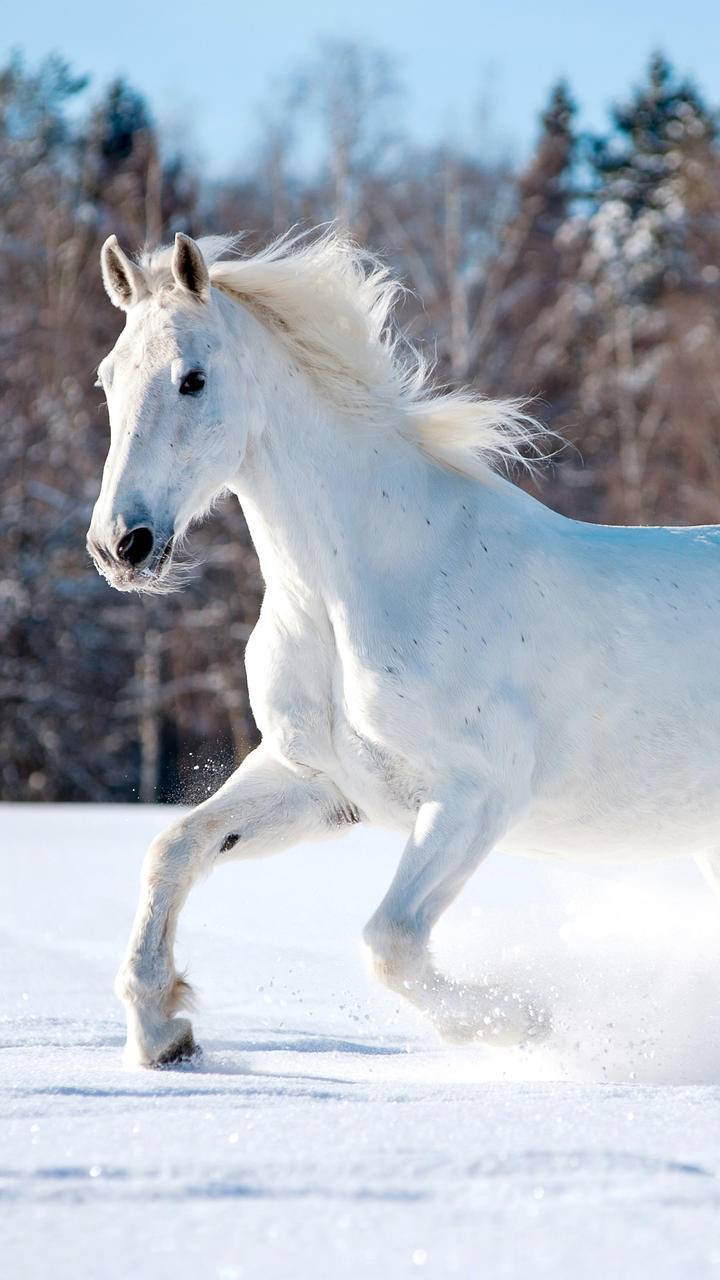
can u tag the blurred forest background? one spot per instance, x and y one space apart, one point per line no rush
590 279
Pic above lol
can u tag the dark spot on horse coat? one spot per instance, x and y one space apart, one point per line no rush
229 842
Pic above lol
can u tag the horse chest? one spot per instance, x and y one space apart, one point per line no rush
324 707
372 762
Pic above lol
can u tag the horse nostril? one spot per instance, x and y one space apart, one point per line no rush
136 546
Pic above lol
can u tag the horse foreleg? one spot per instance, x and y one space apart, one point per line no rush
263 808
449 840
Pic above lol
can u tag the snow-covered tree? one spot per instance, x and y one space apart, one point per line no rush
650 173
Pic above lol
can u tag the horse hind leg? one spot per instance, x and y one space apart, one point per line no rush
263 808
441 854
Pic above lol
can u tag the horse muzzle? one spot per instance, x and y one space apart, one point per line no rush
135 560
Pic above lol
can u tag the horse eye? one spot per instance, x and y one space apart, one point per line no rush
193 383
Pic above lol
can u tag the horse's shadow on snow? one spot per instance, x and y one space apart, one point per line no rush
211 1060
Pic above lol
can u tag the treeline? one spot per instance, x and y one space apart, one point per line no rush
591 279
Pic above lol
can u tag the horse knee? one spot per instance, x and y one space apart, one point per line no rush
175 858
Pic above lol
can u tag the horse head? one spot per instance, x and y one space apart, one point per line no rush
170 388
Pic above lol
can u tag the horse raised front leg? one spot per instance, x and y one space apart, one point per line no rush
263 808
449 840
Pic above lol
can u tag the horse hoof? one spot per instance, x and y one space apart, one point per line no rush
482 1016
182 1050
162 1046
539 1026
455 1031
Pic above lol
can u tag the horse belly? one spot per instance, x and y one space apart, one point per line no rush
584 835
638 783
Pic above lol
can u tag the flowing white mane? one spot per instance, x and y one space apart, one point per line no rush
331 304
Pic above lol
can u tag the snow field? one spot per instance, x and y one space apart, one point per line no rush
326 1132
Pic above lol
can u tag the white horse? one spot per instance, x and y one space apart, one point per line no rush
437 652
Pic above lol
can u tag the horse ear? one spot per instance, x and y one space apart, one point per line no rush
188 267
124 282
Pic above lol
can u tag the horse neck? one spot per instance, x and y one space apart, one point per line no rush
317 494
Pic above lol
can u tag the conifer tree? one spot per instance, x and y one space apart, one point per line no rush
648 173
665 120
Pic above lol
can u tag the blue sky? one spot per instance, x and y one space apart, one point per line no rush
209 69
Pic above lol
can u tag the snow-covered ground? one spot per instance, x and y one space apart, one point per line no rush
326 1132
